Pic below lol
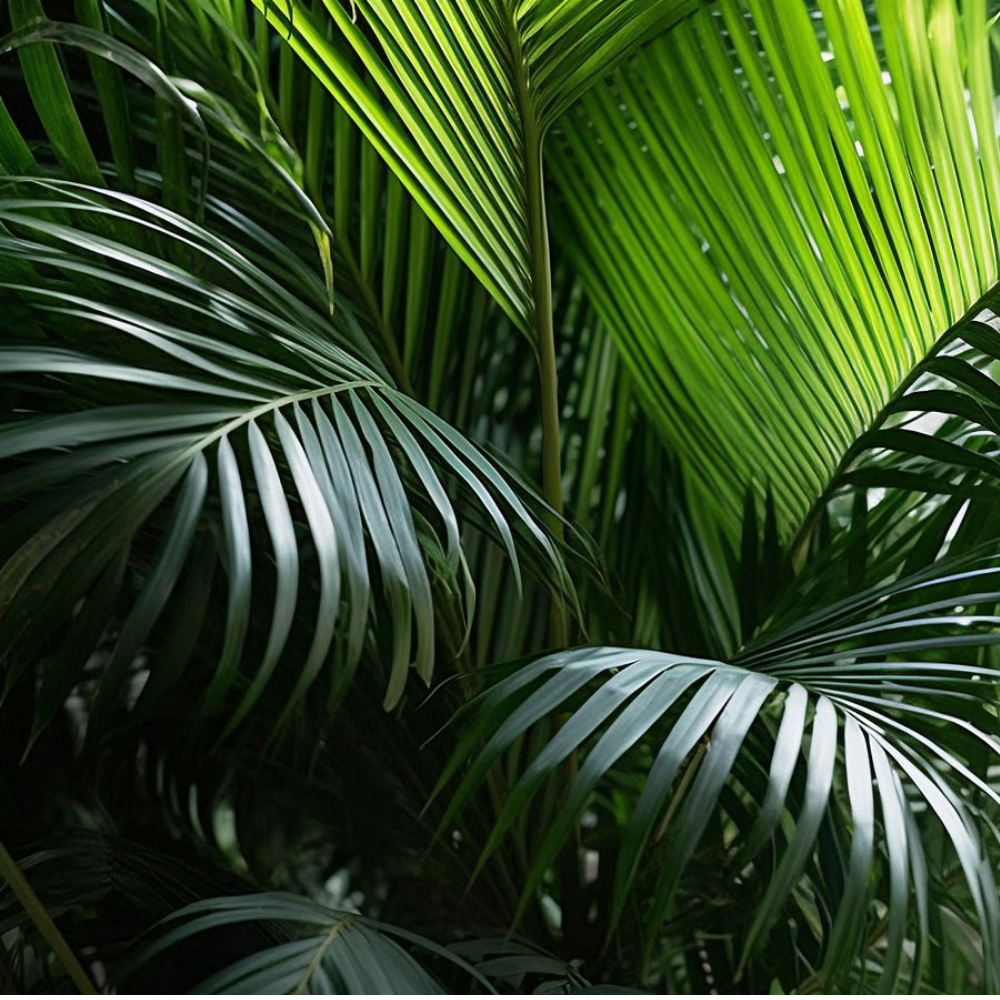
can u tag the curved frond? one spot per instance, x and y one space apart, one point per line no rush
915 494
218 432
859 747
336 951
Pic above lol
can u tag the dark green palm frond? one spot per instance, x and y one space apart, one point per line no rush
50 95
777 215
347 952
832 733
114 65
236 112
514 964
215 423
336 952
919 491
104 891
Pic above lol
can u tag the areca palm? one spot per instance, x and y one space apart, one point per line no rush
627 370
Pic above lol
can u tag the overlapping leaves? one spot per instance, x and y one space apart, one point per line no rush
859 722
853 741
214 424
181 427
456 97
342 952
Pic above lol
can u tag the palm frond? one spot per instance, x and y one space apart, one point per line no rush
456 99
512 963
81 873
834 734
407 287
818 194
918 491
338 952
259 434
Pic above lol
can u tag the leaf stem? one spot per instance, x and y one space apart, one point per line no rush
544 325
40 917
574 917
303 984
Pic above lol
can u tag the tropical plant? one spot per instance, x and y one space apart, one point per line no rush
628 372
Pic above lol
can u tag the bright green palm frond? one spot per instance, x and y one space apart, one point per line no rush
778 213
456 98
411 285
214 420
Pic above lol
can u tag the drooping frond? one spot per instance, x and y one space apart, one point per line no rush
337 951
857 723
218 436
858 748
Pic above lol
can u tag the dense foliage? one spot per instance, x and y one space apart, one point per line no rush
499 495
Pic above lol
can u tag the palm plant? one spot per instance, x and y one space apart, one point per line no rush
628 371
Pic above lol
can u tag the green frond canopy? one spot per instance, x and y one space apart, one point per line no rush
778 211
269 273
